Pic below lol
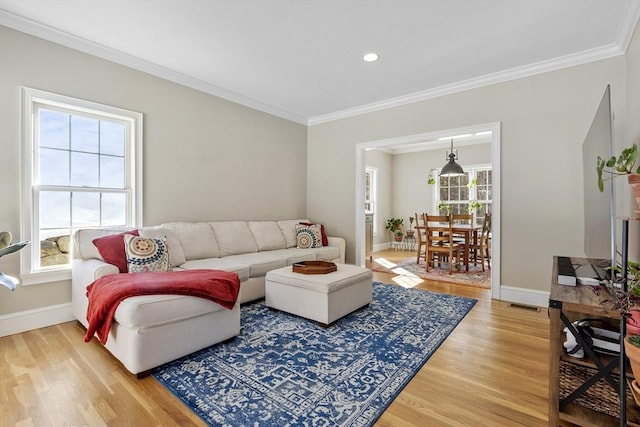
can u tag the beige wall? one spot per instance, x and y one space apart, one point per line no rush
204 158
544 120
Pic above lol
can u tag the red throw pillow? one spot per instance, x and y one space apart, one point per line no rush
325 241
111 249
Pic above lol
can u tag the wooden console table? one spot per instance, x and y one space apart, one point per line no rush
567 304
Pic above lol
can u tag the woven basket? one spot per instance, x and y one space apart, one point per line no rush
600 397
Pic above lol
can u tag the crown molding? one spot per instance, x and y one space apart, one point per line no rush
629 25
583 57
36 29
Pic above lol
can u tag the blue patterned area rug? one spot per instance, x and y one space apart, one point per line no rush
283 370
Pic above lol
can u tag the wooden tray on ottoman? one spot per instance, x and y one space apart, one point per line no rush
314 267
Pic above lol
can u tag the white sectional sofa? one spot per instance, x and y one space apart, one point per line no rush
148 331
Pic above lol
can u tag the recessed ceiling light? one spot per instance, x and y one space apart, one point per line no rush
370 57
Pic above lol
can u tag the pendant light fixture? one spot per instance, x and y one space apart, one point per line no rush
452 168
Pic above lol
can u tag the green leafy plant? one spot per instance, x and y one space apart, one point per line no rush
624 164
444 206
624 301
394 225
472 183
473 205
431 178
411 219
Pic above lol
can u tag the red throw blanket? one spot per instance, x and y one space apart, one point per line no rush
106 293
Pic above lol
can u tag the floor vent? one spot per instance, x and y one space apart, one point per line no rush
524 307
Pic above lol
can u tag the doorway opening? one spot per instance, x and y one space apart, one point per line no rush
431 141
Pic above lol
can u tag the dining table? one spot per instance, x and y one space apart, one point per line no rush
468 231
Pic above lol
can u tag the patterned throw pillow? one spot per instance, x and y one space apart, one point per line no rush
325 239
308 236
146 254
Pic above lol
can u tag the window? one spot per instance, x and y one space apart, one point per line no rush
370 193
461 194
82 169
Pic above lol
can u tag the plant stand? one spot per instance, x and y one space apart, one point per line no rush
397 246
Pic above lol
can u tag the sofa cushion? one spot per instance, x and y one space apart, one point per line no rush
155 310
111 249
197 239
293 255
176 253
326 253
308 236
288 228
83 247
267 235
260 262
225 264
145 254
234 237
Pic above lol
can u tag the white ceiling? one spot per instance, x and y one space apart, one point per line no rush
302 59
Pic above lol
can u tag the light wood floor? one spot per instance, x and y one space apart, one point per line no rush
491 371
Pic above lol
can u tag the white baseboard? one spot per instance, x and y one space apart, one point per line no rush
381 246
524 296
28 320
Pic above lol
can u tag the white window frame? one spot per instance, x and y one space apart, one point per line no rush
31 100
370 170
471 171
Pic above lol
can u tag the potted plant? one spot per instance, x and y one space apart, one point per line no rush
624 164
394 225
431 177
410 231
628 303
632 350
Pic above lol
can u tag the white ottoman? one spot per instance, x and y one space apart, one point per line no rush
324 298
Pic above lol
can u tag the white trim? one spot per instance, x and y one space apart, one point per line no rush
28 320
360 166
65 39
525 296
47 276
374 194
134 124
496 210
631 17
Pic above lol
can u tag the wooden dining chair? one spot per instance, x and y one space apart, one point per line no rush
482 245
440 243
421 236
461 219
